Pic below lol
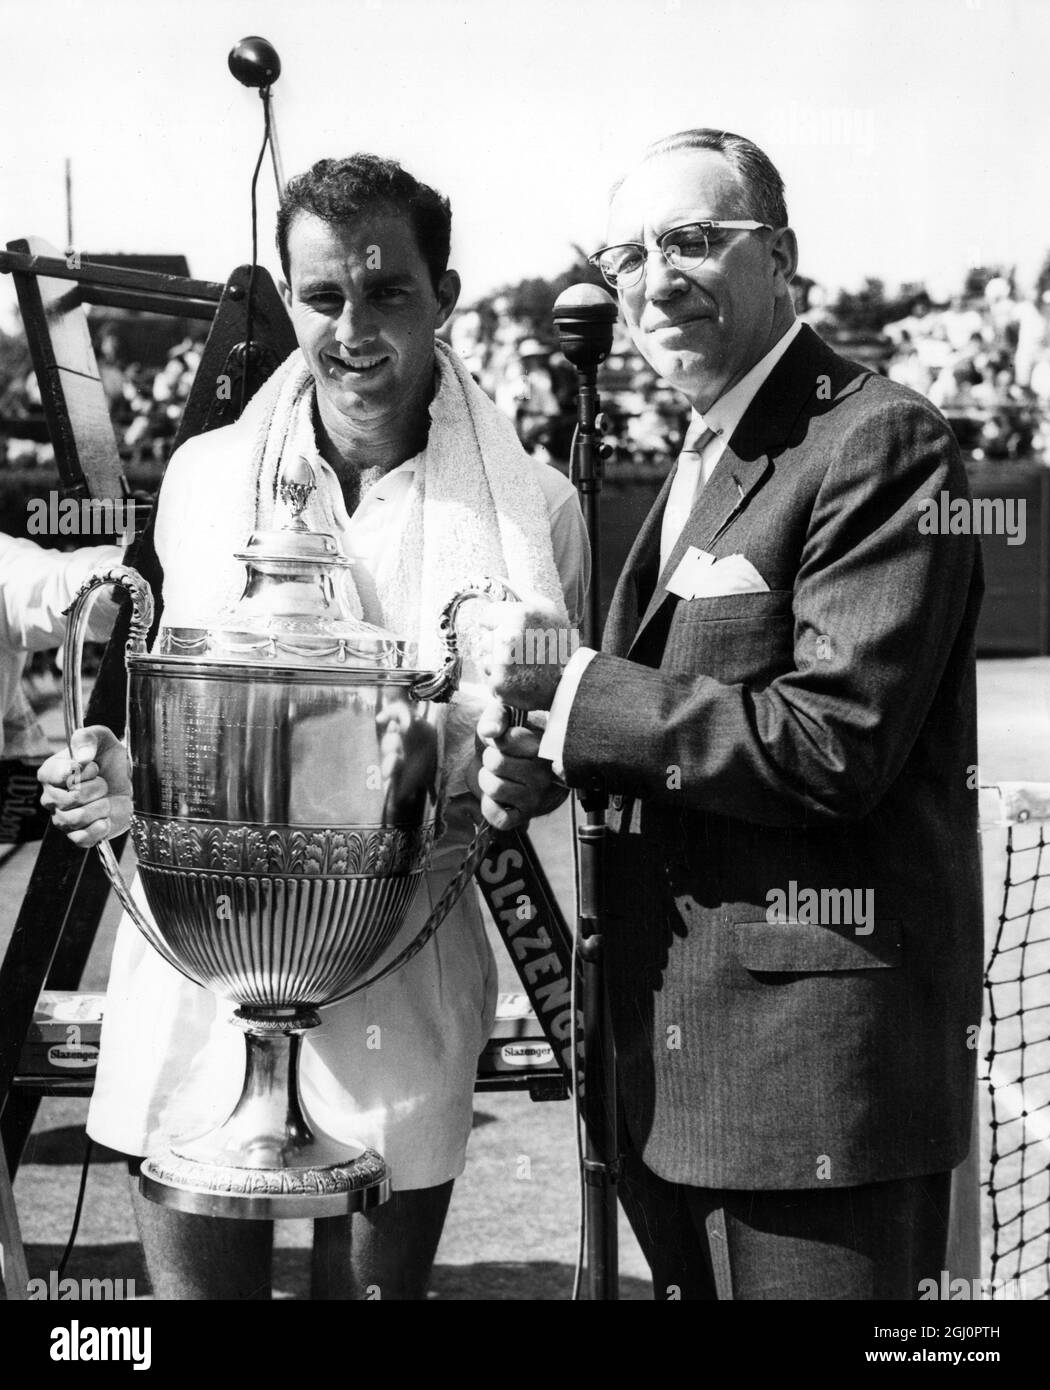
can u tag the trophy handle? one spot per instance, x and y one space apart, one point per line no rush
73 708
76 629
442 685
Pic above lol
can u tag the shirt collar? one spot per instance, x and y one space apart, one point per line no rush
320 464
322 468
729 409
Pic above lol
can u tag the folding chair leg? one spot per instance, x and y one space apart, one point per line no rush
15 1272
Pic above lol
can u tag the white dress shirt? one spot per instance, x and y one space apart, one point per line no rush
369 536
723 418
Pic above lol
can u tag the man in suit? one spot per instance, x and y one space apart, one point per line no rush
784 714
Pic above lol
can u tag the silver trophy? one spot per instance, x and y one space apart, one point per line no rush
285 768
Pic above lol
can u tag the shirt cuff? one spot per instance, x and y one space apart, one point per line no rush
552 744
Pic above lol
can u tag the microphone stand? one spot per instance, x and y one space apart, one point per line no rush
584 317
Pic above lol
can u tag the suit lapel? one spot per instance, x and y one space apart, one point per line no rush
720 502
745 465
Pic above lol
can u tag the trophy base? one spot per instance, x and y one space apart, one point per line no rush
311 1187
267 1160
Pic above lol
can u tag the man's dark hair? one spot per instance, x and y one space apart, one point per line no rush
338 190
764 188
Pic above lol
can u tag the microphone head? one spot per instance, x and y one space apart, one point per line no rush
584 316
587 303
254 62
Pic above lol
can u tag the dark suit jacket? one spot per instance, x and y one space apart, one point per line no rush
821 734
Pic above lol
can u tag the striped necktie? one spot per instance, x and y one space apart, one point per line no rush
684 488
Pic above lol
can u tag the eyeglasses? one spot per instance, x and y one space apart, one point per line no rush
683 248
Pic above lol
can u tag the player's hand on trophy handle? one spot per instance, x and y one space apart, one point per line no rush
514 783
527 646
87 788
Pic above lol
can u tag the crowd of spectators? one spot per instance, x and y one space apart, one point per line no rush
145 403
514 357
983 359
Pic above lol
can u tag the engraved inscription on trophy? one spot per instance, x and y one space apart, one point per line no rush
190 738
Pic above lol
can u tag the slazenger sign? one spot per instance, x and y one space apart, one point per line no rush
525 915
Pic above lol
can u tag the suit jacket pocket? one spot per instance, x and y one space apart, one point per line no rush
759 603
736 638
805 947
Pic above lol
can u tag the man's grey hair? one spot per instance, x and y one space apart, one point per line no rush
763 186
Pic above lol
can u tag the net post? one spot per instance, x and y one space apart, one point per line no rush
964 1218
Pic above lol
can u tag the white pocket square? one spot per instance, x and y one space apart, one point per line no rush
701 576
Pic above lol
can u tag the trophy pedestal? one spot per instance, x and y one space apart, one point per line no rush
267 1160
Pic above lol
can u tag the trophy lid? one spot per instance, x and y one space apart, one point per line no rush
294 608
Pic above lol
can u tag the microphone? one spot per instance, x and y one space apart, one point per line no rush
584 316
254 62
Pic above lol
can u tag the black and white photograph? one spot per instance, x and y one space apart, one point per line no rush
524 669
